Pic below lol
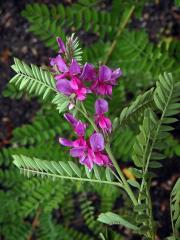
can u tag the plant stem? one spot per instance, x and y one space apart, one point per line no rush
126 185
151 220
108 150
120 30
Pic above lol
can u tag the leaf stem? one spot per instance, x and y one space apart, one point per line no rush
71 178
120 30
108 150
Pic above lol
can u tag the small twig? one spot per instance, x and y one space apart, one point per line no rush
120 30
34 224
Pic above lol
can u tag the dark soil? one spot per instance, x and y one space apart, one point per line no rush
16 41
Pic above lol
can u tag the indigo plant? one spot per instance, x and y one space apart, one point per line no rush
89 139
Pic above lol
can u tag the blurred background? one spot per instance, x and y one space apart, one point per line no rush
140 37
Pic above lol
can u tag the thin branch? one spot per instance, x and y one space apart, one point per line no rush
120 30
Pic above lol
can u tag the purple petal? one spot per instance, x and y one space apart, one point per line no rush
65 142
104 73
64 87
88 72
101 159
61 64
104 123
80 128
52 61
108 89
74 67
74 83
97 142
77 152
101 106
116 73
81 94
80 142
62 76
61 45
71 119
87 161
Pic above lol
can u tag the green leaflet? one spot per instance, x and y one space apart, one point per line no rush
38 81
137 107
175 208
65 170
113 219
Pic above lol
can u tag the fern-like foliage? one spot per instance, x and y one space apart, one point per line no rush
38 81
137 107
175 209
149 142
137 56
43 129
32 78
48 23
70 170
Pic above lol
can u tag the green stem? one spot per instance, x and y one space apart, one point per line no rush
151 220
108 150
125 183
72 178
120 30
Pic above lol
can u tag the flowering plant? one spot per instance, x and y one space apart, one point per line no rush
72 84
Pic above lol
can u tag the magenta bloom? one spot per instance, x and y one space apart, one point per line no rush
106 80
89 152
68 81
62 48
101 107
79 128
92 153
88 73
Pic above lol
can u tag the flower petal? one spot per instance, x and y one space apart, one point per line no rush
88 73
61 45
77 152
80 128
65 142
101 159
105 123
101 106
61 64
116 73
80 142
71 119
64 87
74 67
97 142
74 83
104 73
87 161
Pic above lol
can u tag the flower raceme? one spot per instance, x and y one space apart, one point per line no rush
89 151
78 81
71 77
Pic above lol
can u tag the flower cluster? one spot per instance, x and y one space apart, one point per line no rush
72 79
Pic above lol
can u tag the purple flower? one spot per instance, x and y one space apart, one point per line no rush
97 146
101 107
106 80
78 126
62 48
92 154
88 73
60 63
67 82
73 86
